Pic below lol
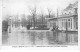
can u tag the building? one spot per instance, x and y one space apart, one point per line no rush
68 20
52 22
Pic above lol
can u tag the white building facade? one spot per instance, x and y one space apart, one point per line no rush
68 20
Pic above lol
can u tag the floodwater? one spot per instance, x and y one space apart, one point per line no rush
38 37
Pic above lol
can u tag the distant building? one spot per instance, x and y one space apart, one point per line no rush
68 20
51 22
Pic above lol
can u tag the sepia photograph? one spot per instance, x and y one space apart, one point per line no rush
39 22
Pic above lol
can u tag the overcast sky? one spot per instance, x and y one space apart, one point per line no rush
12 7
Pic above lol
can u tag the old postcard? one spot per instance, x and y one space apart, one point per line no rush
40 23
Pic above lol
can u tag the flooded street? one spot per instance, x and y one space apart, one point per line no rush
39 22
37 37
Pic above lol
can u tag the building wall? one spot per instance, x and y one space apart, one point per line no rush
75 23
70 22
47 24
52 23
67 23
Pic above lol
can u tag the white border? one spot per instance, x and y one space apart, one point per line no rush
44 49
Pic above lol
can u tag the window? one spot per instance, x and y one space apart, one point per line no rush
62 23
65 24
68 19
77 25
68 23
71 24
75 10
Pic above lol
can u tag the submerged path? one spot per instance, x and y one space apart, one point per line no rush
38 37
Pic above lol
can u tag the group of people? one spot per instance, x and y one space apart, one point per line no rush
55 28
28 26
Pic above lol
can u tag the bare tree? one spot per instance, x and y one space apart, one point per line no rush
33 13
23 20
29 20
42 16
49 12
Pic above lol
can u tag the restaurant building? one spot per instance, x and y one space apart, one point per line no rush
68 20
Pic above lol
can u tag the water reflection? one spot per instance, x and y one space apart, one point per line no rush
4 37
40 38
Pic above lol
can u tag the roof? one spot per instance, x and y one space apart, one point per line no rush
67 16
